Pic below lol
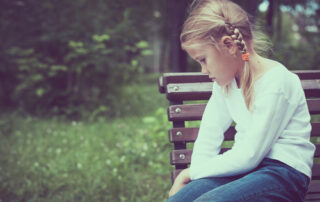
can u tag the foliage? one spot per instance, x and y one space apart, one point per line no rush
68 63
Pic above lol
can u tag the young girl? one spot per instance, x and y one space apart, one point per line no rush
272 155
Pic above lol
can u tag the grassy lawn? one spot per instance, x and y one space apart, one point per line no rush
123 159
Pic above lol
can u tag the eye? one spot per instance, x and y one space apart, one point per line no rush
203 60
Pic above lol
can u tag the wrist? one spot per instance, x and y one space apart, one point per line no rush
186 174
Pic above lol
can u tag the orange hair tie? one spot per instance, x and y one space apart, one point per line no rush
245 56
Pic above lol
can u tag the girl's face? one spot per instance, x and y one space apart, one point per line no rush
220 66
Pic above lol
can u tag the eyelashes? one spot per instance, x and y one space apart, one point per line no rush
203 60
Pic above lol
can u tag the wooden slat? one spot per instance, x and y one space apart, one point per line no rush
314 187
315 132
314 106
185 77
161 87
313 197
191 77
191 134
315 172
183 156
187 112
189 91
307 74
203 90
192 112
317 152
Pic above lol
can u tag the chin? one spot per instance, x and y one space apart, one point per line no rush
223 84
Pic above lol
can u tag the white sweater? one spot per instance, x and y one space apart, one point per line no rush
279 128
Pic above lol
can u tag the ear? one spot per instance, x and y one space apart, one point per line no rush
228 44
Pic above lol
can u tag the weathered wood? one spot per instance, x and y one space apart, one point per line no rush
313 197
191 134
161 88
191 112
192 77
183 156
203 91
314 187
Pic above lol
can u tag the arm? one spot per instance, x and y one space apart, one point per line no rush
215 121
271 114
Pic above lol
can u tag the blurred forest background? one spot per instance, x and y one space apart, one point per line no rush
82 119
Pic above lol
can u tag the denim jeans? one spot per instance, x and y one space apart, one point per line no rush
270 181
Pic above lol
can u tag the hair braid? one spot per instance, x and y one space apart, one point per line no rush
236 35
247 74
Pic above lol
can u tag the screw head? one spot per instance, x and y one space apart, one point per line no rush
179 133
178 110
176 88
182 156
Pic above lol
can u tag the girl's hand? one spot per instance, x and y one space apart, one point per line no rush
182 179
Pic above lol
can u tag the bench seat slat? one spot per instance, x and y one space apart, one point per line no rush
191 77
191 134
313 197
202 91
183 156
192 112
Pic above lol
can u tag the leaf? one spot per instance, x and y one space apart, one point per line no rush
101 38
59 68
134 63
142 44
40 92
37 77
147 52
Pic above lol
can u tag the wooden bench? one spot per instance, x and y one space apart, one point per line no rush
192 87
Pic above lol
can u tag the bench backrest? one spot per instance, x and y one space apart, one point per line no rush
180 87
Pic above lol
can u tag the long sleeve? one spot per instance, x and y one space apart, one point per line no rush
272 112
215 121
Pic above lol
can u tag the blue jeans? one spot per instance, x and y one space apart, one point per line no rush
270 181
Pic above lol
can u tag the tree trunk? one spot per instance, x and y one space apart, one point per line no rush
269 18
178 57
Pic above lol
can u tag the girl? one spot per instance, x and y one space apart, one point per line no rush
272 155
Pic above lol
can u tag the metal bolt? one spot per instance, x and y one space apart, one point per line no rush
179 133
176 88
178 110
182 156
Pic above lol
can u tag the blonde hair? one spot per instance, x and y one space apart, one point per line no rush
209 20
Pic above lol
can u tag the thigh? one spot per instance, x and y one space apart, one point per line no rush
267 183
196 188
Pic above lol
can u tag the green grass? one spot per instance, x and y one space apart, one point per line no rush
122 160
98 159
